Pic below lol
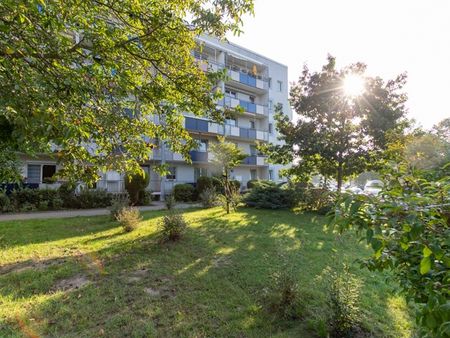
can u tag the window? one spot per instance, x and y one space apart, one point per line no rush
172 173
253 175
271 177
279 86
34 173
202 146
230 121
252 124
269 81
199 172
47 172
253 151
270 128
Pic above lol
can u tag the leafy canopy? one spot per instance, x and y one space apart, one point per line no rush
338 135
89 79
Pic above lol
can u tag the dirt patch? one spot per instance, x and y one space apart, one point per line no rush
152 292
74 283
30 265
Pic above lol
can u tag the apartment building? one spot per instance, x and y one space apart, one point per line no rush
255 83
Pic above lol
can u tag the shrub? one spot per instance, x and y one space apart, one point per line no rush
170 202
203 183
129 218
93 199
236 185
145 197
66 192
183 192
5 203
134 184
343 301
283 298
209 197
119 202
173 227
251 183
217 184
268 196
317 199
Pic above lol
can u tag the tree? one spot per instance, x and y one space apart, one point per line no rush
427 151
442 129
86 80
339 133
408 230
135 185
226 156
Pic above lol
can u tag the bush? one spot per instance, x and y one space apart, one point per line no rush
283 298
5 203
66 192
183 192
269 196
87 199
236 185
145 197
251 183
343 301
119 202
129 218
173 227
135 184
234 198
204 183
170 202
209 197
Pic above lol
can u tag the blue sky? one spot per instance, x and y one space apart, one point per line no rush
390 36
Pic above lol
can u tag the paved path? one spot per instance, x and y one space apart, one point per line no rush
82 212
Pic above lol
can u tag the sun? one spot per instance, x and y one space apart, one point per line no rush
354 85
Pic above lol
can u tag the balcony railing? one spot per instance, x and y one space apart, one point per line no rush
254 160
199 156
248 79
249 107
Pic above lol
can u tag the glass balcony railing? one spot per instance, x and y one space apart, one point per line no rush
199 156
254 160
247 106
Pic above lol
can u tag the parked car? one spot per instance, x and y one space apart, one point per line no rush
354 190
373 187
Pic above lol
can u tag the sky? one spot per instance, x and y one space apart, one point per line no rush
390 36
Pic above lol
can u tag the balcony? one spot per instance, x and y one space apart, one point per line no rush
249 80
256 160
251 108
204 126
157 154
199 156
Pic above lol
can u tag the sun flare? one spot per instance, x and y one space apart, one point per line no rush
354 85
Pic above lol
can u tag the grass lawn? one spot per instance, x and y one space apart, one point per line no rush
85 277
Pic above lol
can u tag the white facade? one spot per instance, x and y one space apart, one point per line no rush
255 83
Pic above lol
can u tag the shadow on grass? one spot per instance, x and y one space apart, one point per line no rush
208 284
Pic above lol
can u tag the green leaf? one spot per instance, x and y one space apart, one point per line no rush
426 251
425 265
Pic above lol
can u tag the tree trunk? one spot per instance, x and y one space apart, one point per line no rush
227 192
340 175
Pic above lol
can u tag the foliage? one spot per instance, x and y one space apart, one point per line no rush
226 156
251 183
343 301
129 218
67 193
90 198
209 197
135 185
119 202
170 201
268 195
9 164
32 199
316 199
183 192
283 297
173 226
204 183
145 197
5 204
338 135
408 229
427 151
92 84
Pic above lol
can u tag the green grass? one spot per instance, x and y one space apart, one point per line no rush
209 284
